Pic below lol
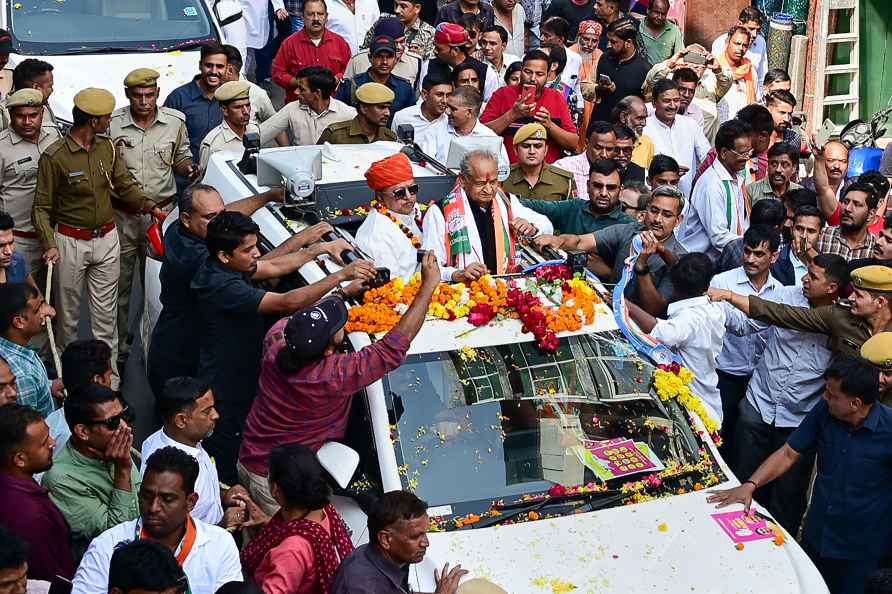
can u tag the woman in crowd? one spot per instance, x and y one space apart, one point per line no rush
300 549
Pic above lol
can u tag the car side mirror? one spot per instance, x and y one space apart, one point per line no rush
339 460
228 11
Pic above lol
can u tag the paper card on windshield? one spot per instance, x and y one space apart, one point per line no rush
617 458
743 527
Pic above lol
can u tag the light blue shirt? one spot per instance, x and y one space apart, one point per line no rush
799 269
740 354
789 378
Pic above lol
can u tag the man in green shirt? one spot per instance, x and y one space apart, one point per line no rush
93 481
661 37
602 209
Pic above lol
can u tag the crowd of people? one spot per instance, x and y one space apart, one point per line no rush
615 138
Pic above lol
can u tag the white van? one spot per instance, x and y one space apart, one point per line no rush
95 43
486 428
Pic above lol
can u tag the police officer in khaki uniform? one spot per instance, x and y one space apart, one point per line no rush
20 148
75 221
153 143
373 102
531 177
33 74
878 350
235 101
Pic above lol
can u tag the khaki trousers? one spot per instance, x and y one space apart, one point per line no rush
90 264
258 488
33 254
132 234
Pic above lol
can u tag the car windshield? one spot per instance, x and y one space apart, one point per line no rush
72 26
495 423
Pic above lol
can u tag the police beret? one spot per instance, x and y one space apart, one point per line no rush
878 350
25 98
480 586
873 278
142 77
373 93
232 90
530 132
95 102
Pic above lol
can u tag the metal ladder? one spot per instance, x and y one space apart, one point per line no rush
828 15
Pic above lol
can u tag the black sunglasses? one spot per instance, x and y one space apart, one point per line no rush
401 192
112 423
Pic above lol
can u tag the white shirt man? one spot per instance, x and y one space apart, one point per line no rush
304 124
434 231
757 54
352 25
387 244
695 330
441 148
516 32
427 132
684 141
209 508
212 561
507 60
716 213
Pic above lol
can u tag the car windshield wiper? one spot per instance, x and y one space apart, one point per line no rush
594 500
186 45
110 50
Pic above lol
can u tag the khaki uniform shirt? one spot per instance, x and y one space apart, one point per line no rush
18 173
554 184
75 186
305 124
151 154
349 132
49 119
222 138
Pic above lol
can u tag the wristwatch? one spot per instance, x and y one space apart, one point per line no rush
642 271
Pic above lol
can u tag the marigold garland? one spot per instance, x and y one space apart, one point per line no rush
671 382
384 211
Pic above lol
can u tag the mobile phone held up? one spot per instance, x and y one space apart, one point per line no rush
529 93
695 58
604 80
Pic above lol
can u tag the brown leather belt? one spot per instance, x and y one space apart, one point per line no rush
24 234
83 233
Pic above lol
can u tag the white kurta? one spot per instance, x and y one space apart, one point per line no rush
255 15
352 26
387 245
435 232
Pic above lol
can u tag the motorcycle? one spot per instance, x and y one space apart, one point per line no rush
860 138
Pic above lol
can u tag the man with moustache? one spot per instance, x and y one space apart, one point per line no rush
783 163
373 103
652 286
235 101
852 239
632 112
781 104
531 177
601 145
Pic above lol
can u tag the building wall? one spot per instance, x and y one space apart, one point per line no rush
707 19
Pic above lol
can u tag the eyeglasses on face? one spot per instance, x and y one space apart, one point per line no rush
401 192
599 186
112 423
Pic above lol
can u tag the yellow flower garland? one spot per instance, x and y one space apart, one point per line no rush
670 386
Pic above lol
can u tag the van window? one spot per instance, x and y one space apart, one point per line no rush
80 26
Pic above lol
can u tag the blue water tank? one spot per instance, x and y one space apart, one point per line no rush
864 159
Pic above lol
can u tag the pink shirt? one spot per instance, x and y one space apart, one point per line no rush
290 567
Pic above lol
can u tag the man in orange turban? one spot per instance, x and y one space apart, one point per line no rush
391 233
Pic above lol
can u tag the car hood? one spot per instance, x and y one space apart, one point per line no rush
73 73
668 545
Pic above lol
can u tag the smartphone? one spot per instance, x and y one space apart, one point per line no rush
529 91
604 80
823 135
695 58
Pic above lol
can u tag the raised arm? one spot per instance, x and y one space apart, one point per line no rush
288 263
286 303
827 201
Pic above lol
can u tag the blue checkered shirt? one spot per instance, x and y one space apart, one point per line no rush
30 376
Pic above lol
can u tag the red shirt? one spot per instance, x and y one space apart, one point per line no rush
504 99
312 405
298 51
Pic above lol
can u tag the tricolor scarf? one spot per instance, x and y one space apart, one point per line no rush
184 548
457 240
328 550
746 72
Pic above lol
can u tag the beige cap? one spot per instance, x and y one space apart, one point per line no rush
142 77
95 102
232 90
372 93
25 98
480 586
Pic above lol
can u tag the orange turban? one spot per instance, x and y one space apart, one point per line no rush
389 172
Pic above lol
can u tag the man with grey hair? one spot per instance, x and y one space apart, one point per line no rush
632 112
462 113
484 223
173 351
651 288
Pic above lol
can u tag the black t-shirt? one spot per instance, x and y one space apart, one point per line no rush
633 173
485 228
231 329
572 13
440 70
175 338
628 77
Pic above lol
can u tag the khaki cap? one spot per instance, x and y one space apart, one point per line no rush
873 278
25 98
878 350
232 90
480 586
142 77
372 93
95 102
530 132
